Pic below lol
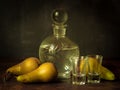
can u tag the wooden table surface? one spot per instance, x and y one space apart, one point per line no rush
113 65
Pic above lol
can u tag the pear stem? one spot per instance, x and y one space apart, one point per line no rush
7 76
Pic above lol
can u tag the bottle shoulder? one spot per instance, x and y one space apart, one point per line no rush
63 41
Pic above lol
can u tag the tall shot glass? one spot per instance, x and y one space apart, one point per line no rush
79 71
94 64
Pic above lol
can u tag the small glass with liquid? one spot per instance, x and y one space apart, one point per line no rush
79 71
94 64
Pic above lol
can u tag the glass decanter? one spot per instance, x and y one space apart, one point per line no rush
57 48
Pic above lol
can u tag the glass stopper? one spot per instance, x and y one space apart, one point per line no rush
59 16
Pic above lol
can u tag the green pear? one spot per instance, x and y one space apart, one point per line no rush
44 73
27 65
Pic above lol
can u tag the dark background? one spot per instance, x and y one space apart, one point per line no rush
93 24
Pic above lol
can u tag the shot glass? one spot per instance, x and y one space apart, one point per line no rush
94 64
79 71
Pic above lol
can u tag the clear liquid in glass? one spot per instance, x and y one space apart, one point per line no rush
78 79
93 78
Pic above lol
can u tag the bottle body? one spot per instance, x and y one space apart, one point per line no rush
60 51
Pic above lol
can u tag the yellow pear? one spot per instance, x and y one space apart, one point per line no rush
44 73
92 64
89 64
27 65
107 74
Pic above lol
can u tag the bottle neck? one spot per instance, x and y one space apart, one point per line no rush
59 30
